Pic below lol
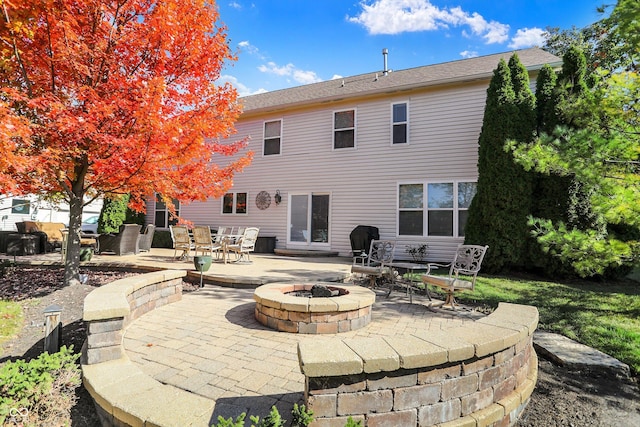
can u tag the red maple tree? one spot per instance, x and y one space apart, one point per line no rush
104 97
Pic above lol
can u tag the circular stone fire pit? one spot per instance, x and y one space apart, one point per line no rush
277 307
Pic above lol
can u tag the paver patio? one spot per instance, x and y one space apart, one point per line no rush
210 344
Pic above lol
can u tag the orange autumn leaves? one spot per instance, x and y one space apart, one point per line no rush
108 97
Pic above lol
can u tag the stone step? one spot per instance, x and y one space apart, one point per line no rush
573 355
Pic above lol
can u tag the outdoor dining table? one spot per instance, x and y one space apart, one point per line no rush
225 241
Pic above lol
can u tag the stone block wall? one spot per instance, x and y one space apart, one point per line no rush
109 309
475 375
122 393
277 309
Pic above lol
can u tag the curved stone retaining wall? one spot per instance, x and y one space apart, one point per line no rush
123 394
480 374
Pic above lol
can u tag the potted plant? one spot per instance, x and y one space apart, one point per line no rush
418 252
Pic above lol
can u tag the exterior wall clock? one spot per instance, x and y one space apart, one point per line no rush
263 200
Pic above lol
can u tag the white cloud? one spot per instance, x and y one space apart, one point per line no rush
306 77
468 53
528 37
242 89
273 68
398 16
235 5
245 46
336 76
290 70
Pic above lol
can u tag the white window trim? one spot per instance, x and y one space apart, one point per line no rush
398 123
425 207
355 129
235 202
166 213
264 125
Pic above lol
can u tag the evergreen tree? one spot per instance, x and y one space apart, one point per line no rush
549 190
545 100
596 146
575 109
524 101
498 212
113 214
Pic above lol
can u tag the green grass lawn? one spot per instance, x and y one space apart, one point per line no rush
605 316
10 319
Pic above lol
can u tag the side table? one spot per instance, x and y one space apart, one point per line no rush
412 268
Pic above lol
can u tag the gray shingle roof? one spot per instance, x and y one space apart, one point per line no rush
367 84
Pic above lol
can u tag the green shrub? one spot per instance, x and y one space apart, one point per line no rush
272 420
352 423
238 422
42 390
301 417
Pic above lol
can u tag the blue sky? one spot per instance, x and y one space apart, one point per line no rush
285 43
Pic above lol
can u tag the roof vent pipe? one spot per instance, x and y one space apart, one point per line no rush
385 52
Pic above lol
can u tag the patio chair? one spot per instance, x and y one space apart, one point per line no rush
463 271
123 243
375 265
146 238
245 244
181 241
202 240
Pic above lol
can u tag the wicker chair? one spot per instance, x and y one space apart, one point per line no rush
202 240
146 238
375 266
463 271
181 241
123 243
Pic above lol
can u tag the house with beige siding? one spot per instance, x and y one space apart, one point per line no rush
392 149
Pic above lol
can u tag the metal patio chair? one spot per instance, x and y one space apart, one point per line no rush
463 271
375 265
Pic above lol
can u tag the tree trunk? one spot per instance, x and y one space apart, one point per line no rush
72 261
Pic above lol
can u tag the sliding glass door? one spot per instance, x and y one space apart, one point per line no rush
309 219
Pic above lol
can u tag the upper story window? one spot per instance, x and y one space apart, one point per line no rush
445 212
272 137
399 123
234 203
344 129
163 218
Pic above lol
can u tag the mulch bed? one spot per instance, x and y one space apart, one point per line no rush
36 289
